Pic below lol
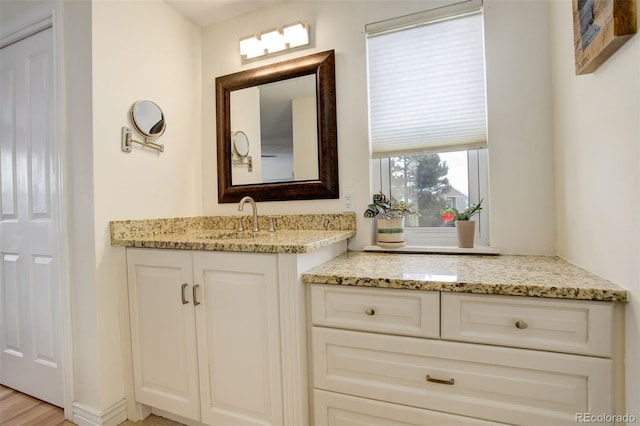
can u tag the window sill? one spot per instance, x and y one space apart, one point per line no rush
441 250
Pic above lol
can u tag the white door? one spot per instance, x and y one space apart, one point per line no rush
238 338
163 330
30 335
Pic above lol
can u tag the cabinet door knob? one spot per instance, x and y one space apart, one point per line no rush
183 287
521 324
370 311
440 381
195 295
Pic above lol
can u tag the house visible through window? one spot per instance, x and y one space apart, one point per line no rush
427 116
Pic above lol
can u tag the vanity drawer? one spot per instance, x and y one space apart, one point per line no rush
509 385
572 326
405 312
333 409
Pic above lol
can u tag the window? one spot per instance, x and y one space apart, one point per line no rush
427 116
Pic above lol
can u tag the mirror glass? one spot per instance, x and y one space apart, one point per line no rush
287 111
148 119
282 116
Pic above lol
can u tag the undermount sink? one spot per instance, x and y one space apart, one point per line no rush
221 234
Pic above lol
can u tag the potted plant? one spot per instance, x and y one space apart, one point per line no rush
390 216
465 227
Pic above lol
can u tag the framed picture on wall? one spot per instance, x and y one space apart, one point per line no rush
600 27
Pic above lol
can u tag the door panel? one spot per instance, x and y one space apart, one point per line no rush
43 316
8 184
238 338
29 292
11 309
163 336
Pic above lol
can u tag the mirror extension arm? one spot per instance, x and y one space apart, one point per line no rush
127 140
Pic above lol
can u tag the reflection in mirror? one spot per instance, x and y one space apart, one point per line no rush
282 117
148 119
240 152
240 145
288 111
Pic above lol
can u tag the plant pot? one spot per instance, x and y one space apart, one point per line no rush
466 233
391 233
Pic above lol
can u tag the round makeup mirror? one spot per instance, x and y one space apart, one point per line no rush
240 145
148 119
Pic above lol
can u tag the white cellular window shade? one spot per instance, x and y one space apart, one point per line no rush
427 87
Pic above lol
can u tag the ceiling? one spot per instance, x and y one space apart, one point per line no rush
208 12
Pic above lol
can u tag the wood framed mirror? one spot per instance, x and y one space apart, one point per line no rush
322 183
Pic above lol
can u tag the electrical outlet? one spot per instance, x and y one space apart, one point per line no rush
349 201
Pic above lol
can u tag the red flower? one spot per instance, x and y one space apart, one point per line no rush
448 216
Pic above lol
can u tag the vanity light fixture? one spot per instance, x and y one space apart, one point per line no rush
274 40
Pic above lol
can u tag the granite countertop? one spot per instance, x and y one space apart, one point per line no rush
535 276
294 233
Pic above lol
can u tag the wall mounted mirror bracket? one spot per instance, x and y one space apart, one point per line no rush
244 162
127 141
148 119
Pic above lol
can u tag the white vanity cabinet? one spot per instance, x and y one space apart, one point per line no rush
205 335
220 337
496 359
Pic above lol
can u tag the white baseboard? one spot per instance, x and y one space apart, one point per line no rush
84 415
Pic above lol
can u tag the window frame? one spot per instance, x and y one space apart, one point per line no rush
435 236
477 158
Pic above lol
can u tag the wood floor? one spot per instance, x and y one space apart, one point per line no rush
18 409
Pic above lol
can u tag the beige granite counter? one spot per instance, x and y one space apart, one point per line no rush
537 276
294 233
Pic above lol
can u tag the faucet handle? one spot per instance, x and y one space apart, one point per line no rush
272 223
239 228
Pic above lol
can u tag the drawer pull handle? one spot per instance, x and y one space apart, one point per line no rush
521 325
183 288
441 382
370 311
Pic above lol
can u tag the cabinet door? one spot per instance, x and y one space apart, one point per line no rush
238 338
163 337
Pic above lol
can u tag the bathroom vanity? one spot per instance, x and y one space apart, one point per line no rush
218 316
288 328
463 340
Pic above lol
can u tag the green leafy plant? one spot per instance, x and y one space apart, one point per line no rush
384 208
451 213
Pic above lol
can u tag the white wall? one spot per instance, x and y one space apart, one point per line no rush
80 202
519 113
596 134
118 53
332 25
519 116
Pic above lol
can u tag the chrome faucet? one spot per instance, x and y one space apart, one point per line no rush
253 207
